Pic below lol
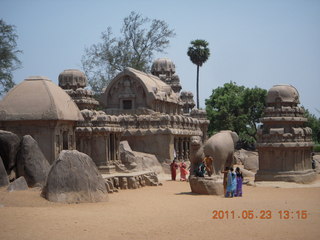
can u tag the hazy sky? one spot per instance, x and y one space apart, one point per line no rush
253 43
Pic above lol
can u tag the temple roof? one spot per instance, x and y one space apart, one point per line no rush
155 88
37 98
283 93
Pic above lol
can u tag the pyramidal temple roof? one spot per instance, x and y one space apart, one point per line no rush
37 98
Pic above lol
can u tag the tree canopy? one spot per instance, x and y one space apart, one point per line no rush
9 60
198 53
140 39
236 108
314 124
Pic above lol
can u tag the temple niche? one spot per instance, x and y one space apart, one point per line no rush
284 143
40 108
149 110
99 134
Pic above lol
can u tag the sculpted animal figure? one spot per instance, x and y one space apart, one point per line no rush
196 153
221 147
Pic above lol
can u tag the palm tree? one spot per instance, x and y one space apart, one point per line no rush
199 54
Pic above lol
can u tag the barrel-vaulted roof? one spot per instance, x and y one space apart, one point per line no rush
154 87
37 98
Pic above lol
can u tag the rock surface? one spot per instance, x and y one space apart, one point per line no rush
31 163
249 159
20 184
206 185
74 178
4 180
138 161
9 145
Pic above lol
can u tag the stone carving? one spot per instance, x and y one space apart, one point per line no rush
19 184
74 178
284 144
132 183
123 182
31 163
48 116
221 148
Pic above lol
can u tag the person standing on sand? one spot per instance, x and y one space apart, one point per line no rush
173 168
239 177
225 178
183 171
231 183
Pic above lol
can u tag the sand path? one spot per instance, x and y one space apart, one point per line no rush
164 212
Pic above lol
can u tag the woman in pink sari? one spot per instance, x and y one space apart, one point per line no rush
183 171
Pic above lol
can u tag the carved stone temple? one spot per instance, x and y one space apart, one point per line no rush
40 108
284 143
147 110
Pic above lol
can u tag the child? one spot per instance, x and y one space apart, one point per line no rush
238 192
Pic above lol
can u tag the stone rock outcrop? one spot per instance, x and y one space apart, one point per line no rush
31 163
20 184
9 145
74 178
206 185
138 161
249 159
4 180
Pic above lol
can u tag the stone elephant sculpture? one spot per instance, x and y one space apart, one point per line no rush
221 147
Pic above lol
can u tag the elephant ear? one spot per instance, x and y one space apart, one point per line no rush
235 137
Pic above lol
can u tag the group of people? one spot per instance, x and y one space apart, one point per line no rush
183 170
232 182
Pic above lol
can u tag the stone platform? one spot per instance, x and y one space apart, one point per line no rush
206 185
132 180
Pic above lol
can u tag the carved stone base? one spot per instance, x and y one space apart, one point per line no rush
289 176
107 169
206 185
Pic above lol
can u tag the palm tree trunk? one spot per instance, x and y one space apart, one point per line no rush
198 86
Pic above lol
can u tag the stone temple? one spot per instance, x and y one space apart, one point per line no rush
147 110
284 144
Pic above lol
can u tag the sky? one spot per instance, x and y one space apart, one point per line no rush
252 42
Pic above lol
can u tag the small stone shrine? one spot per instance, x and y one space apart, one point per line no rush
284 144
99 134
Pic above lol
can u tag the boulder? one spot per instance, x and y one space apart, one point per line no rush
249 159
20 184
4 180
74 178
138 161
206 185
9 145
31 163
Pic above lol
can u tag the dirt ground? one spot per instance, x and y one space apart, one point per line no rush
165 212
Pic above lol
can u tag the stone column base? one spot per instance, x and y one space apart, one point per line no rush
107 169
306 176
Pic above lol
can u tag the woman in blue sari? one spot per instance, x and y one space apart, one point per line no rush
231 183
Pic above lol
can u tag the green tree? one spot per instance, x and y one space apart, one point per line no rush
140 39
8 55
199 54
236 108
314 124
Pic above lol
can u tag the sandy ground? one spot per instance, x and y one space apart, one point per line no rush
165 212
